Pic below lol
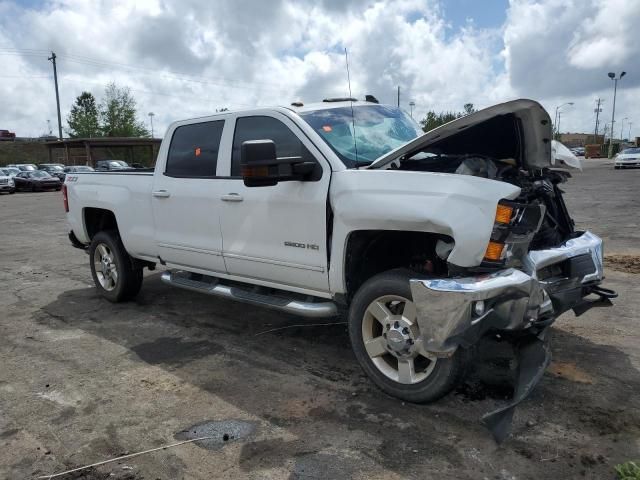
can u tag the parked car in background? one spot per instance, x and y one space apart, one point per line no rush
578 151
78 169
112 165
40 165
6 182
37 180
24 167
7 135
53 169
11 171
629 157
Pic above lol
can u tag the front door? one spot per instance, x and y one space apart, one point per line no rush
276 233
186 199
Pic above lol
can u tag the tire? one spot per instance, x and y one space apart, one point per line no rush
11 192
106 254
433 378
33 188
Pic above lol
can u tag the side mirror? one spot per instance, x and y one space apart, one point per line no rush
262 168
259 163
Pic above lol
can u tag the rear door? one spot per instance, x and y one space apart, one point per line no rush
276 233
186 199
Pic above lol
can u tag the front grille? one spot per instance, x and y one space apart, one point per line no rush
4 181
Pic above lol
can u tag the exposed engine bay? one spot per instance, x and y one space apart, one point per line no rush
538 187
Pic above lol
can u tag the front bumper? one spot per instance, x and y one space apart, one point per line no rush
525 301
455 312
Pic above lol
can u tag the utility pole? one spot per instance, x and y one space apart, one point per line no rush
398 96
597 110
629 136
55 79
612 76
622 128
411 105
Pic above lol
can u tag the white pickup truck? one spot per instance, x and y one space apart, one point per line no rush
430 241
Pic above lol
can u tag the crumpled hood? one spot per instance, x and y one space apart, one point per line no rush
528 127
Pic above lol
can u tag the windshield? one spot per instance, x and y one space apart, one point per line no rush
83 169
40 174
53 168
27 168
627 151
378 130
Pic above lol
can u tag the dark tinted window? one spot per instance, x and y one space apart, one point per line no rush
268 128
194 150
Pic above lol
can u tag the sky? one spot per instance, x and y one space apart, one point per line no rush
184 59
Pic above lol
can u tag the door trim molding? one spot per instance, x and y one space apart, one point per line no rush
176 246
237 256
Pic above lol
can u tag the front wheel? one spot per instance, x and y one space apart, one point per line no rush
387 343
112 270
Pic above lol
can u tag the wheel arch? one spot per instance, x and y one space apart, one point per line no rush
98 219
370 252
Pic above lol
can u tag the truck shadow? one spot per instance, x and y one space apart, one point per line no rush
305 379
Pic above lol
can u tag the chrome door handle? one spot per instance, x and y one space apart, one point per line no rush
161 194
232 197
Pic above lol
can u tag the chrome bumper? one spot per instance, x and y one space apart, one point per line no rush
458 311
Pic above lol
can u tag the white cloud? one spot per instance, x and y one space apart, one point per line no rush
184 59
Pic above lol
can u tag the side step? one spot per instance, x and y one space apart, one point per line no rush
283 301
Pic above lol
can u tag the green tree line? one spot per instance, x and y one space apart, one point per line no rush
434 119
115 116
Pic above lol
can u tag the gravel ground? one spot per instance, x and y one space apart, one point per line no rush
83 380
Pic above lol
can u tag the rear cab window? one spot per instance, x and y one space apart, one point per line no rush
193 152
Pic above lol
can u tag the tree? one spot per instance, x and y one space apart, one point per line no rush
433 120
83 119
118 114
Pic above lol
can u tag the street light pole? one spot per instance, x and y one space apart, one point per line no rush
151 114
629 136
559 117
411 105
556 119
612 76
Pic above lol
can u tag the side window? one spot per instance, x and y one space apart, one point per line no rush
269 128
194 150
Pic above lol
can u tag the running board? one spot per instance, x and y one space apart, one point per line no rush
284 301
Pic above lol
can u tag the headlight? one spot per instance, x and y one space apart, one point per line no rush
10 182
513 229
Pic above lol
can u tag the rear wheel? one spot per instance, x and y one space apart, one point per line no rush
387 342
112 269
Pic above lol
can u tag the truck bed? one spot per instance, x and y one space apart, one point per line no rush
127 194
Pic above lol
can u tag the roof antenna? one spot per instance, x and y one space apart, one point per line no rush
353 120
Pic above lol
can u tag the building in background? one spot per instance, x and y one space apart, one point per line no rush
580 139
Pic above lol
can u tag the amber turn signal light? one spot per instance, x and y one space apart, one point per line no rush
494 251
504 213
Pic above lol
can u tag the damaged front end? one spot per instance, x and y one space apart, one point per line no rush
457 312
536 266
